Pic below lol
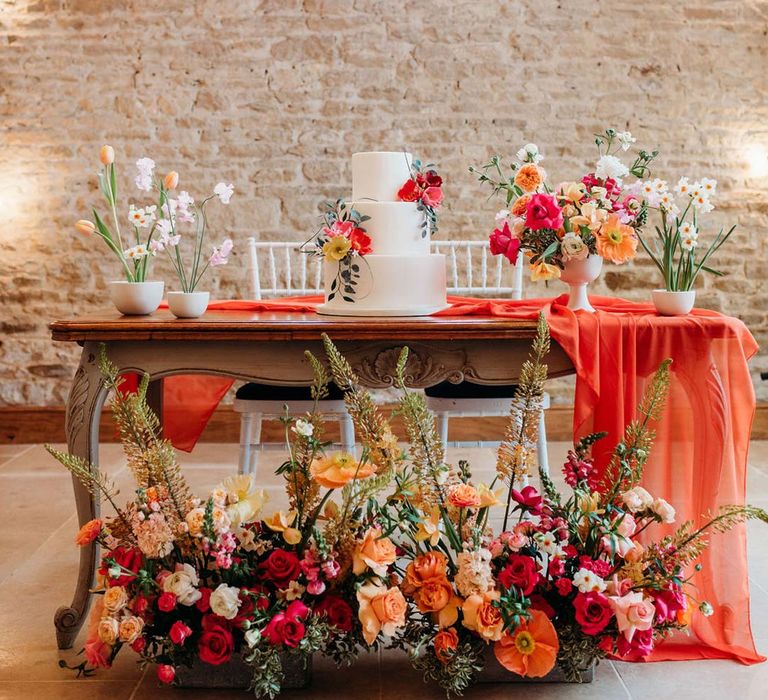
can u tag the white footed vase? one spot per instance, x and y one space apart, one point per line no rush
136 298
188 304
577 274
673 303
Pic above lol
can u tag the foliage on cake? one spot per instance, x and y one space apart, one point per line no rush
424 187
343 240
394 547
600 214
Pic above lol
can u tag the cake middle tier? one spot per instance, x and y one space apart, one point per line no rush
395 228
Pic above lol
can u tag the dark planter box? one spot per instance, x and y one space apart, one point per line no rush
238 674
494 672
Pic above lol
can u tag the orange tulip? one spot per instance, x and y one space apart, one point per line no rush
107 155
85 227
171 180
531 650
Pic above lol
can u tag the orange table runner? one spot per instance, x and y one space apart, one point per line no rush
699 461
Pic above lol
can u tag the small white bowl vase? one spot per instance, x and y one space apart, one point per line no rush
136 298
673 303
577 275
188 304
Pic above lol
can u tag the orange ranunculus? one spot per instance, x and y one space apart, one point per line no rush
431 566
373 552
529 177
434 595
481 616
338 470
542 271
616 242
531 650
464 496
381 609
446 642
520 205
88 532
107 155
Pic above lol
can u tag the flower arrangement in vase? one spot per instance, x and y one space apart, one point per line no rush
675 249
568 230
150 230
187 581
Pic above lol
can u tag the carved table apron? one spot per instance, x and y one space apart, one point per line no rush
269 348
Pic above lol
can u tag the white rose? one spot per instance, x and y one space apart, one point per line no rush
182 584
225 601
637 499
611 166
573 247
664 510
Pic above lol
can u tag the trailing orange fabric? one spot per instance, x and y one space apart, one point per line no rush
699 461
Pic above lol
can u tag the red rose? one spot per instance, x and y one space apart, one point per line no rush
336 611
127 559
166 601
543 211
139 645
432 196
504 243
141 604
179 632
360 241
520 571
215 645
166 673
564 586
409 192
282 629
296 610
281 567
593 612
556 567
203 603
432 179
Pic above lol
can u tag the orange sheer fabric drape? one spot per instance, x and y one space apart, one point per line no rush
700 457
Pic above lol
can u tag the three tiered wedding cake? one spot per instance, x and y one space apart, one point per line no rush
388 270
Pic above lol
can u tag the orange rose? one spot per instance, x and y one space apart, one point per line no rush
338 470
446 642
481 616
464 496
431 566
529 178
434 595
520 205
382 610
373 552
88 532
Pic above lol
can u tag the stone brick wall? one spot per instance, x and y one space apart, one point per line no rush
275 96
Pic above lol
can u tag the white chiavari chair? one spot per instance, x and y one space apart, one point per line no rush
279 269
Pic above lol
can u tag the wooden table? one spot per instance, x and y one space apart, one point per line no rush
268 347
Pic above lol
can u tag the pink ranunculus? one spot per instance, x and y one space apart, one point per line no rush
543 211
633 613
432 196
504 243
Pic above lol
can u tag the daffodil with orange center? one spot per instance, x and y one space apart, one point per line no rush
616 242
531 650
338 469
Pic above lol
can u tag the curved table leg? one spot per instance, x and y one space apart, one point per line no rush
86 399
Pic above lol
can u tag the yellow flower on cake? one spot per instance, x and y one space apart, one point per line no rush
336 248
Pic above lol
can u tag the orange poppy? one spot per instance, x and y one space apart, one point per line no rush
531 650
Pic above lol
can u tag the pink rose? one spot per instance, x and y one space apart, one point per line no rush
504 243
633 613
627 526
640 646
543 211
432 196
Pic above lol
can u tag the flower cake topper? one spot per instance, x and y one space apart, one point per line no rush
424 187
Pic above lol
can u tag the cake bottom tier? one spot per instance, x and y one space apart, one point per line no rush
389 285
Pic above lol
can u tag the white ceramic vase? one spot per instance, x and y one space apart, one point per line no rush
673 303
136 298
188 304
577 275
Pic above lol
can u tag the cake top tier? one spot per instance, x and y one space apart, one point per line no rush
379 175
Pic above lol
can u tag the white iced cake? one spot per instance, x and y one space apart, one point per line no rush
399 276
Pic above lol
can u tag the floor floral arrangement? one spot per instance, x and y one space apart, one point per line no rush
393 547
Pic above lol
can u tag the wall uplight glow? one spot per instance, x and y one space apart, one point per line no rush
757 157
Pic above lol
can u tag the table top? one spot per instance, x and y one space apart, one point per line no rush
109 325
